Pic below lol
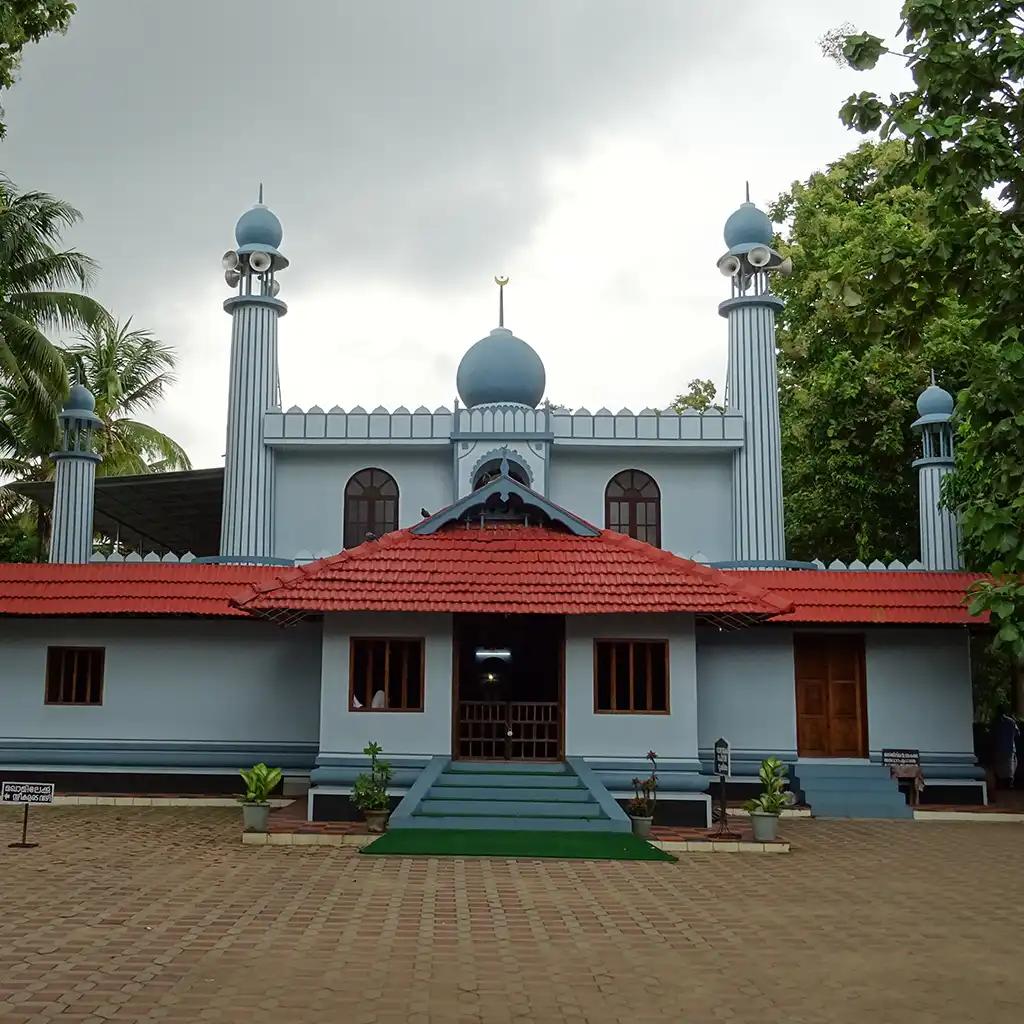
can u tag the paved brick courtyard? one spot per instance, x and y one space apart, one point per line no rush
130 914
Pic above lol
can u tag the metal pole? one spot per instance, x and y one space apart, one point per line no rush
24 844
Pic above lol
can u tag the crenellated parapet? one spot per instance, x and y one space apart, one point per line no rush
712 428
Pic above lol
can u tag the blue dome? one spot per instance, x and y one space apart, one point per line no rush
80 400
501 368
260 227
935 401
748 226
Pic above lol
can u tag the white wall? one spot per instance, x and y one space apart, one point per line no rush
746 690
310 491
919 690
696 495
594 735
399 732
167 679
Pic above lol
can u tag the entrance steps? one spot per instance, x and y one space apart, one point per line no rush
504 795
853 790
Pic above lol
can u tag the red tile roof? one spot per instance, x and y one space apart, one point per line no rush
124 588
510 568
932 598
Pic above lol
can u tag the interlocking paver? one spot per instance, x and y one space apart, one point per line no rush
152 914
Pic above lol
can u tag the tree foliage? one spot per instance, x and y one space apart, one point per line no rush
37 296
700 395
23 22
871 309
963 122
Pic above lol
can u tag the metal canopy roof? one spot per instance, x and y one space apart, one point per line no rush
159 512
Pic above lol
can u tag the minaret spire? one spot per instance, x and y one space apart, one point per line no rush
501 281
748 192
261 193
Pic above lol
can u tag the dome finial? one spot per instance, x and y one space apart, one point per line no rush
748 191
260 200
501 280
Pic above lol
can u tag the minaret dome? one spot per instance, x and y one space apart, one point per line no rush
748 226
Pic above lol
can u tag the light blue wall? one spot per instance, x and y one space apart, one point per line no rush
310 491
399 732
746 689
696 493
167 680
919 690
630 736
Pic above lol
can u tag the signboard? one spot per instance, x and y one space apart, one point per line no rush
723 757
26 792
898 757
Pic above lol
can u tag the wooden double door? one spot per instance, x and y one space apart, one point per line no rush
831 697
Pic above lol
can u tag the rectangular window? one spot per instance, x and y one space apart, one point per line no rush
74 675
385 674
631 677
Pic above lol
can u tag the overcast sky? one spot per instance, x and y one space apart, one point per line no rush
590 149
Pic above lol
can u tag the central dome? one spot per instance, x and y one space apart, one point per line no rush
501 368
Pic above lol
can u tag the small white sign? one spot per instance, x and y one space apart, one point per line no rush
26 792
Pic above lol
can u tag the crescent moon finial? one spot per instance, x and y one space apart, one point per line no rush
501 280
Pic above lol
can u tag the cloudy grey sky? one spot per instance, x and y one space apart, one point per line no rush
591 149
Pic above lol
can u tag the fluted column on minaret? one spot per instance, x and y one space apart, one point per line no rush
752 385
247 518
940 529
74 485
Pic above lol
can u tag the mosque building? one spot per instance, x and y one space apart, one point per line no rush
505 586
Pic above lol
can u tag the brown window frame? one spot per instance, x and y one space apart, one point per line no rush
351 525
55 689
387 641
631 500
630 642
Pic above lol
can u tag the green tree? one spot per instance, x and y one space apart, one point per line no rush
23 22
700 395
963 122
34 274
871 309
127 371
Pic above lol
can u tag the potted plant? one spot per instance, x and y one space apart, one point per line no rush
260 782
370 791
641 808
765 809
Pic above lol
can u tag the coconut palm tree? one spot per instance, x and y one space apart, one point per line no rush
127 371
34 274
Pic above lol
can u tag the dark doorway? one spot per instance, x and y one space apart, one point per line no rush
508 687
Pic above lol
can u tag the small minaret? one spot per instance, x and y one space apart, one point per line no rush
74 485
247 518
752 384
940 531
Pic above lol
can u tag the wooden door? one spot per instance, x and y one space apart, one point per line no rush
831 700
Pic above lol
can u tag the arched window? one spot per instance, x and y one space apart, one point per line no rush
632 505
371 505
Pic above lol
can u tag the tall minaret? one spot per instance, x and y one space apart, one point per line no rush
247 519
74 486
752 384
940 531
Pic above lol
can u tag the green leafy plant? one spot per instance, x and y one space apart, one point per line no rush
775 797
645 791
260 782
370 791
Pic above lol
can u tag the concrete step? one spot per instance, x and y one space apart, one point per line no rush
531 824
499 794
508 767
508 809
503 779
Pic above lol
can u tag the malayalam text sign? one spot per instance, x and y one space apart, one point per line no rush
26 792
